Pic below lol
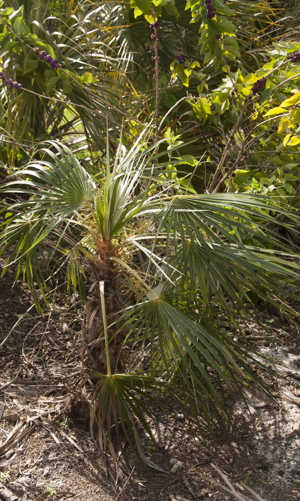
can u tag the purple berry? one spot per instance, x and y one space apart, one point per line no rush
53 63
156 25
294 57
48 58
218 37
19 86
14 85
210 14
210 7
207 1
42 54
151 26
259 85
181 60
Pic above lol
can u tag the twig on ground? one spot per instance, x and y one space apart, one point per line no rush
124 486
19 432
25 339
231 490
21 319
70 440
12 381
7 495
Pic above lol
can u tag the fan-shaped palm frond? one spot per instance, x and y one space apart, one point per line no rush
79 97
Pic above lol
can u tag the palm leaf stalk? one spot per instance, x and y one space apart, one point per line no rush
160 269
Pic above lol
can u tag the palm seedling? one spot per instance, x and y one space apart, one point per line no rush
157 269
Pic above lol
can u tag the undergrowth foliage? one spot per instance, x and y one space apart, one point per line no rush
159 232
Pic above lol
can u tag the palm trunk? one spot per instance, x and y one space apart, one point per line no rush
93 343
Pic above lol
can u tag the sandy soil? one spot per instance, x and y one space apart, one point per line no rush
46 451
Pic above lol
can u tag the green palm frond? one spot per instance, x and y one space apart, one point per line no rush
192 354
119 409
77 99
53 191
59 185
220 244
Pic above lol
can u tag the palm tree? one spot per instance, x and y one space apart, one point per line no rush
74 100
160 267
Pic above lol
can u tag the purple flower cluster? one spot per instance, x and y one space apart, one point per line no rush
259 86
154 26
154 38
181 60
46 57
8 81
294 57
210 14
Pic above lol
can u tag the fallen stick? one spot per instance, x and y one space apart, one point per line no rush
7 495
231 490
2 409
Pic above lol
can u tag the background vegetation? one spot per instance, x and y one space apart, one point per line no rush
150 151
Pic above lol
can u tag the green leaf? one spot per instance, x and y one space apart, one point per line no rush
266 94
186 159
223 9
4 38
171 9
15 14
8 11
226 26
289 188
169 100
29 64
51 82
20 27
67 86
87 77
143 5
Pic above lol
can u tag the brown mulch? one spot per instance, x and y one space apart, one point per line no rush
46 450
